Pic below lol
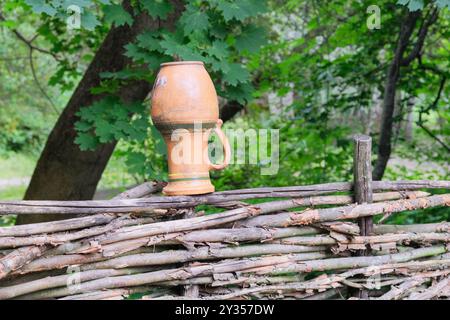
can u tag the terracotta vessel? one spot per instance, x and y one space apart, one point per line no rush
185 110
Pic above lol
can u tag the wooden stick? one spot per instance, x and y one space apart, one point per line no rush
18 258
362 171
365 240
55 226
58 238
148 205
398 292
97 261
367 210
354 262
308 217
248 265
63 280
22 256
208 221
86 222
425 228
433 291
142 190
191 290
280 220
199 237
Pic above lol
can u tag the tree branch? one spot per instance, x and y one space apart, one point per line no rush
36 80
415 52
29 43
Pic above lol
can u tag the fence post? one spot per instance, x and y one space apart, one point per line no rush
362 188
190 290
362 178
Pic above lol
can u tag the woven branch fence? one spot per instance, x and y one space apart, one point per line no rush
313 242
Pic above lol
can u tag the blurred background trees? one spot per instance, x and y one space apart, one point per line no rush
318 72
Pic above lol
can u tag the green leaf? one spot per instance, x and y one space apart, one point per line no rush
413 5
194 20
241 93
134 52
240 9
149 41
40 6
104 131
219 49
441 4
86 141
135 161
83 126
173 47
157 8
117 15
251 39
89 20
236 74
80 3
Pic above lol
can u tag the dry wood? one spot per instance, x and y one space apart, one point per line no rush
398 292
248 265
22 256
99 295
104 246
18 258
64 280
58 238
208 221
352 262
199 237
367 240
147 205
185 273
362 187
55 226
401 185
142 190
56 262
117 294
204 253
103 219
191 290
348 212
365 210
425 227
433 291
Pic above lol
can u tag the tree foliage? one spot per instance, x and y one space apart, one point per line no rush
316 72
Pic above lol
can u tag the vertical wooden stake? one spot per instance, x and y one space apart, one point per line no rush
190 290
362 188
362 178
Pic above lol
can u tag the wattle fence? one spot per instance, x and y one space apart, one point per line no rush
313 242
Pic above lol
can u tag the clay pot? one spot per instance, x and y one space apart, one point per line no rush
185 110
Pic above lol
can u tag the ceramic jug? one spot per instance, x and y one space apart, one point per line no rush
185 110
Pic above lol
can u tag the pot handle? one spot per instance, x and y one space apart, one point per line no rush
226 148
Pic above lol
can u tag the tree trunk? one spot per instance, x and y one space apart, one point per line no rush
409 120
63 172
393 74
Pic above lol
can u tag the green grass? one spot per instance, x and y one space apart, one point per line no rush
17 165
13 193
116 175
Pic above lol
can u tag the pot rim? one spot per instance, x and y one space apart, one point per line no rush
175 63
